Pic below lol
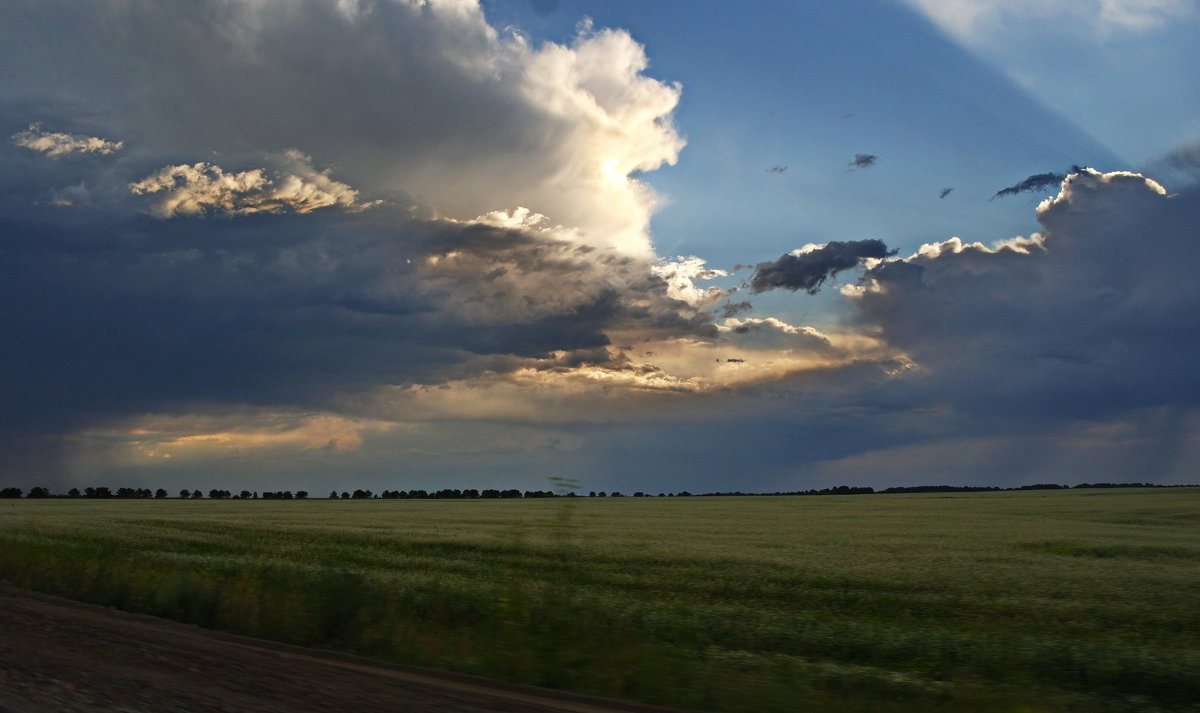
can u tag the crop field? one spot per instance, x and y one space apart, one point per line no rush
1010 601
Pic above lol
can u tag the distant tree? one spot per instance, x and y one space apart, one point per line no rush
38 493
102 492
333 495
185 493
10 492
245 495
197 494
73 493
345 495
301 494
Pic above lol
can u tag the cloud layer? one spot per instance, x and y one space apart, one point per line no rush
973 20
384 232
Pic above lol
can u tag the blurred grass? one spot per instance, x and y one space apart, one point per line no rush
1013 601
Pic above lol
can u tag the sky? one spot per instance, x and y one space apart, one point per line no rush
398 244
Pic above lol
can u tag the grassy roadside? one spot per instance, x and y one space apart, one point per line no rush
1029 601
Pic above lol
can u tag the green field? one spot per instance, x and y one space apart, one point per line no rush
1011 601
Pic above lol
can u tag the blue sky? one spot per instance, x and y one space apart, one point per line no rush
652 246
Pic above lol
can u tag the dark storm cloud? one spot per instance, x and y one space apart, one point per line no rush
110 313
733 309
809 270
229 205
201 76
1184 157
1097 317
863 160
1181 165
1037 182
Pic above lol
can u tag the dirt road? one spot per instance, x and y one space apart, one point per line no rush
58 656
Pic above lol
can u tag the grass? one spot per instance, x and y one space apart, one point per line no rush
1041 601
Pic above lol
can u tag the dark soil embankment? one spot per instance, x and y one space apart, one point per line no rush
59 656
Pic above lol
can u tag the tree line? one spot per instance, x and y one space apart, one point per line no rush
147 494
510 493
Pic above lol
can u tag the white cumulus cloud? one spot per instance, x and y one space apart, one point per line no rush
199 188
56 144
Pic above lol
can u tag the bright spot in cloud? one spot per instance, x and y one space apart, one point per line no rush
612 173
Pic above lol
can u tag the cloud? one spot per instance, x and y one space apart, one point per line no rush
412 100
57 145
809 267
1091 318
508 233
279 310
975 20
1184 157
1036 182
501 295
732 309
771 333
863 160
202 188
1160 444
681 275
